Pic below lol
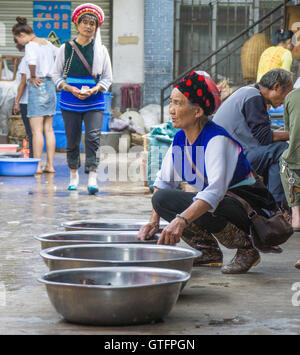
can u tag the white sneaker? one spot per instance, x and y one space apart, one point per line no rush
92 183
74 181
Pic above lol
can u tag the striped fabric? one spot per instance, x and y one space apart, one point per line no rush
69 102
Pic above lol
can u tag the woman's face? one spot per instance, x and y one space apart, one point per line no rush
23 38
182 113
288 44
87 27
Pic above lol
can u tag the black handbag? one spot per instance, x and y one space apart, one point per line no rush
265 232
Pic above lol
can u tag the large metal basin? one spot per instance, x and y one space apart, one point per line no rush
110 224
91 237
114 296
97 255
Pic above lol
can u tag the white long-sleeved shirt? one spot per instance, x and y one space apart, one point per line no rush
104 69
221 158
42 56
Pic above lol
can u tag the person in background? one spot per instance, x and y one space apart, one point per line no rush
83 85
208 158
290 158
245 117
22 96
40 55
277 56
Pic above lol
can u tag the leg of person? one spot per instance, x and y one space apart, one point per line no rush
292 192
274 181
36 124
168 203
50 144
235 235
265 160
93 123
73 128
23 108
296 218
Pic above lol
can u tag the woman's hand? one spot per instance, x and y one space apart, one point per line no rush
148 230
16 108
173 232
37 82
78 93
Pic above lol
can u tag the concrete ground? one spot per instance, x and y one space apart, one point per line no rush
260 302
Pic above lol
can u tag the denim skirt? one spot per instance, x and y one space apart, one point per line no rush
41 100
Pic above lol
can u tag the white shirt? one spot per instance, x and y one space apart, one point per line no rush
221 158
23 69
42 56
104 68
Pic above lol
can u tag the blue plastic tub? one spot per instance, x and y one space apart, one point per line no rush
107 102
58 122
105 123
18 166
60 139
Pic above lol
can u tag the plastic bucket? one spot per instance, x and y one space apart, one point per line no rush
18 166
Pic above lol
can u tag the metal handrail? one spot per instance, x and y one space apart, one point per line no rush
235 38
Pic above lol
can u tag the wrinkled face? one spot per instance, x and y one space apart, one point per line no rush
87 27
276 95
182 113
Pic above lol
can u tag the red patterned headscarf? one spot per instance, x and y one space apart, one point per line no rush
88 9
194 87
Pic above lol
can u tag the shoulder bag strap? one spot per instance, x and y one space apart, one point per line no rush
84 61
250 211
193 165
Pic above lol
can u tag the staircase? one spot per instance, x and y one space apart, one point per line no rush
233 47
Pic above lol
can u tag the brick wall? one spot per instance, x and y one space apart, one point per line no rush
159 27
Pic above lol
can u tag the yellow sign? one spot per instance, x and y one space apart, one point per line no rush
54 40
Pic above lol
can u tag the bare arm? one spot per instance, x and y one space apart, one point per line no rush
281 136
20 92
152 227
35 80
172 233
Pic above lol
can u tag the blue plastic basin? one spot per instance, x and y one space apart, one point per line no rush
18 166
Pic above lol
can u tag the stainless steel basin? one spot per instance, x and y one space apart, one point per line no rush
91 237
96 255
110 224
114 296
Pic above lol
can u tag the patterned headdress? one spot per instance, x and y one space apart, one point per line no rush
194 87
88 9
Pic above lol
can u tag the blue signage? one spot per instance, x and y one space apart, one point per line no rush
52 20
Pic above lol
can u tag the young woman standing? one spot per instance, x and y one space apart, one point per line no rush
40 56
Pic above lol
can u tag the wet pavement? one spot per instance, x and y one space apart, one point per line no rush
260 302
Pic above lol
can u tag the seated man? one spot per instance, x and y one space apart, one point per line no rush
245 117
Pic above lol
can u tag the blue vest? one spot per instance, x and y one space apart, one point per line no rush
196 153
69 102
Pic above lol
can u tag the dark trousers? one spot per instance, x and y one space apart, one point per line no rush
73 127
265 160
168 203
23 109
